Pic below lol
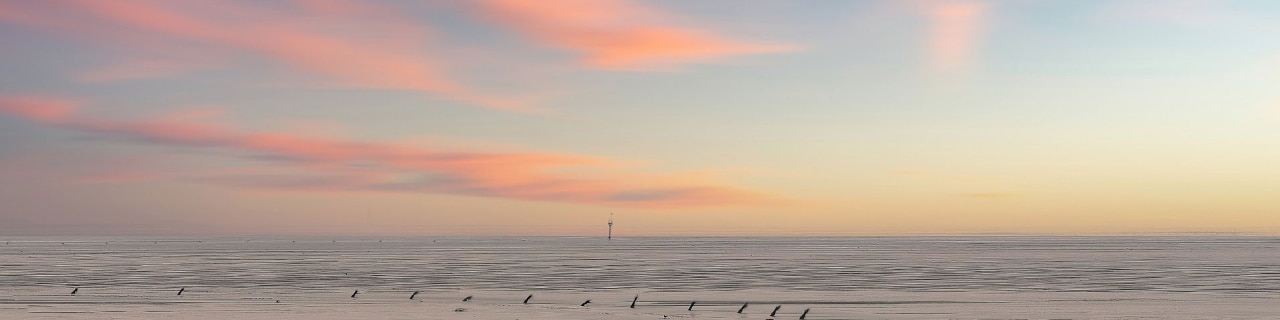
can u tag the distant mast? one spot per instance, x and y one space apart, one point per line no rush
610 227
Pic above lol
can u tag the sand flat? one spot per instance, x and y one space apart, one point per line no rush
835 278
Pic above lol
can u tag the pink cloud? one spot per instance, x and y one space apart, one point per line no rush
353 44
337 165
618 34
38 108
956 28
343 7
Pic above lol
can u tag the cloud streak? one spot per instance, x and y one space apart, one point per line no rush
618 34
354 44
337 165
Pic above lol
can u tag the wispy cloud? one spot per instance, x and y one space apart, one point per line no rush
955 32
618 34
354 44
39 108
330 164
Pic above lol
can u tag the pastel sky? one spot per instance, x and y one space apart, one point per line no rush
715 117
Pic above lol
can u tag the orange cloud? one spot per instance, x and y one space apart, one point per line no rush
365 46
328 164
617 34
955 31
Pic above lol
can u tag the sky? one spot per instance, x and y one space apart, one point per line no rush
691 118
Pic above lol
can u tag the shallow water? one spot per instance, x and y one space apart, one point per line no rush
890 278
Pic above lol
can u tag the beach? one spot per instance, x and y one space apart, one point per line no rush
833 278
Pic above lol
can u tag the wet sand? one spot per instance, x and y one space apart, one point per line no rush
215 304
835 278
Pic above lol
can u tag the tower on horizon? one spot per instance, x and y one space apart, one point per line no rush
610 227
